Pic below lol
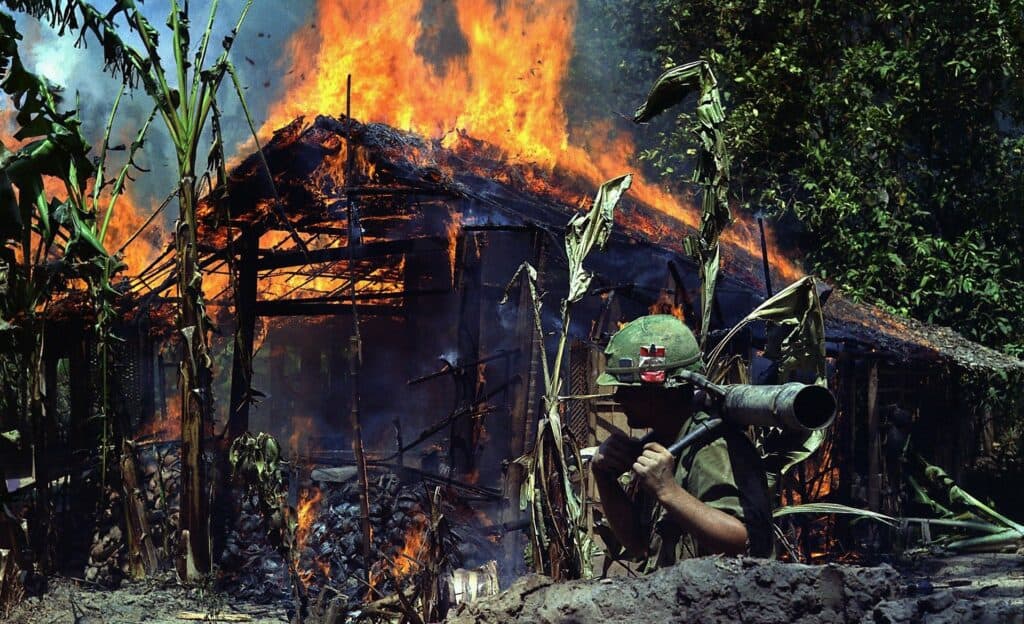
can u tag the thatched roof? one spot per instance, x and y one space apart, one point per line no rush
475 177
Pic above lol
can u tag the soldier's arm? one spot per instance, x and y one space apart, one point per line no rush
613 458
620 513
716 531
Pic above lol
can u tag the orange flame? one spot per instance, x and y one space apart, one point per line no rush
502 85
309 502
407 560
666 304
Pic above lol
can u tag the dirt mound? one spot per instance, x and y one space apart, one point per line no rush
707 590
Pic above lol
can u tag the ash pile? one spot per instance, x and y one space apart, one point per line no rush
331 563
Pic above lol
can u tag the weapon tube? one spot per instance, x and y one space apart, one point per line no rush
793 406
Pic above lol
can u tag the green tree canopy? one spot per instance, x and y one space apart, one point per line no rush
893 132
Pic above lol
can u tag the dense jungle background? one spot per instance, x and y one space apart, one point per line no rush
888 136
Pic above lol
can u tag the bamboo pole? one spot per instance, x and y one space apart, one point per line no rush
874 464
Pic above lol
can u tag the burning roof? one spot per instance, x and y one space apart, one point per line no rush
411 187
906 339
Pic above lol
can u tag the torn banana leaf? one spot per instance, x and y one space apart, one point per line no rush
711 171
560 540
796 310
585 231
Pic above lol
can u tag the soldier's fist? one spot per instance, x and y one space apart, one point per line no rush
655 469
616 454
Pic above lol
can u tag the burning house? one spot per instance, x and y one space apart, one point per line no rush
414 241
360 278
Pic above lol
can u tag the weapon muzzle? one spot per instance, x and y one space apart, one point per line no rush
794 406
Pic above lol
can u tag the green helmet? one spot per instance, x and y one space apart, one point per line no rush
649 351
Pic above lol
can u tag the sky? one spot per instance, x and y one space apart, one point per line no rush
258 56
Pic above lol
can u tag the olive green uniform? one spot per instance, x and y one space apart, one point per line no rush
724 473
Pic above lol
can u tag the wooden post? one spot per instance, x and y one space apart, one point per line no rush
241 365
523 406
46 440
462 453
988 430
874 464
241 384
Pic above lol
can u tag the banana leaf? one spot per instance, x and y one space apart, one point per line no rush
931 482
832 508
560 540
590 229
711 170
796 310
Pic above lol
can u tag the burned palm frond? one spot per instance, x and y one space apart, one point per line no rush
712 168
957 509
256 462
561 544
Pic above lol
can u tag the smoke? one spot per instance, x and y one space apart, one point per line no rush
77 68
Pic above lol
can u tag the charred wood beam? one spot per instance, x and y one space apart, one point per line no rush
324 229
297 308
438 427
448 369
370 296
284 259
495 227
379 190
171 279
241 366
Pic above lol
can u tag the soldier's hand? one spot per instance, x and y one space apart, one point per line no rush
655 469
616 454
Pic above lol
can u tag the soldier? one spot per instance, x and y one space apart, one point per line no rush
714 498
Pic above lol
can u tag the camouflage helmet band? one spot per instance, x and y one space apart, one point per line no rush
621 370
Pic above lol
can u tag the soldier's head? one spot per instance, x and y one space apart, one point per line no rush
644 359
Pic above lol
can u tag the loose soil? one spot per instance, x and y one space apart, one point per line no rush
982 589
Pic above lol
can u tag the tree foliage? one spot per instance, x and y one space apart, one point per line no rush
183 92
892 132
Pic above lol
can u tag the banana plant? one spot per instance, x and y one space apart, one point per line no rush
711 172
51 235
183 92
256 462
561 544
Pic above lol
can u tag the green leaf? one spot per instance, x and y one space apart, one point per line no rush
832 508
585 231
